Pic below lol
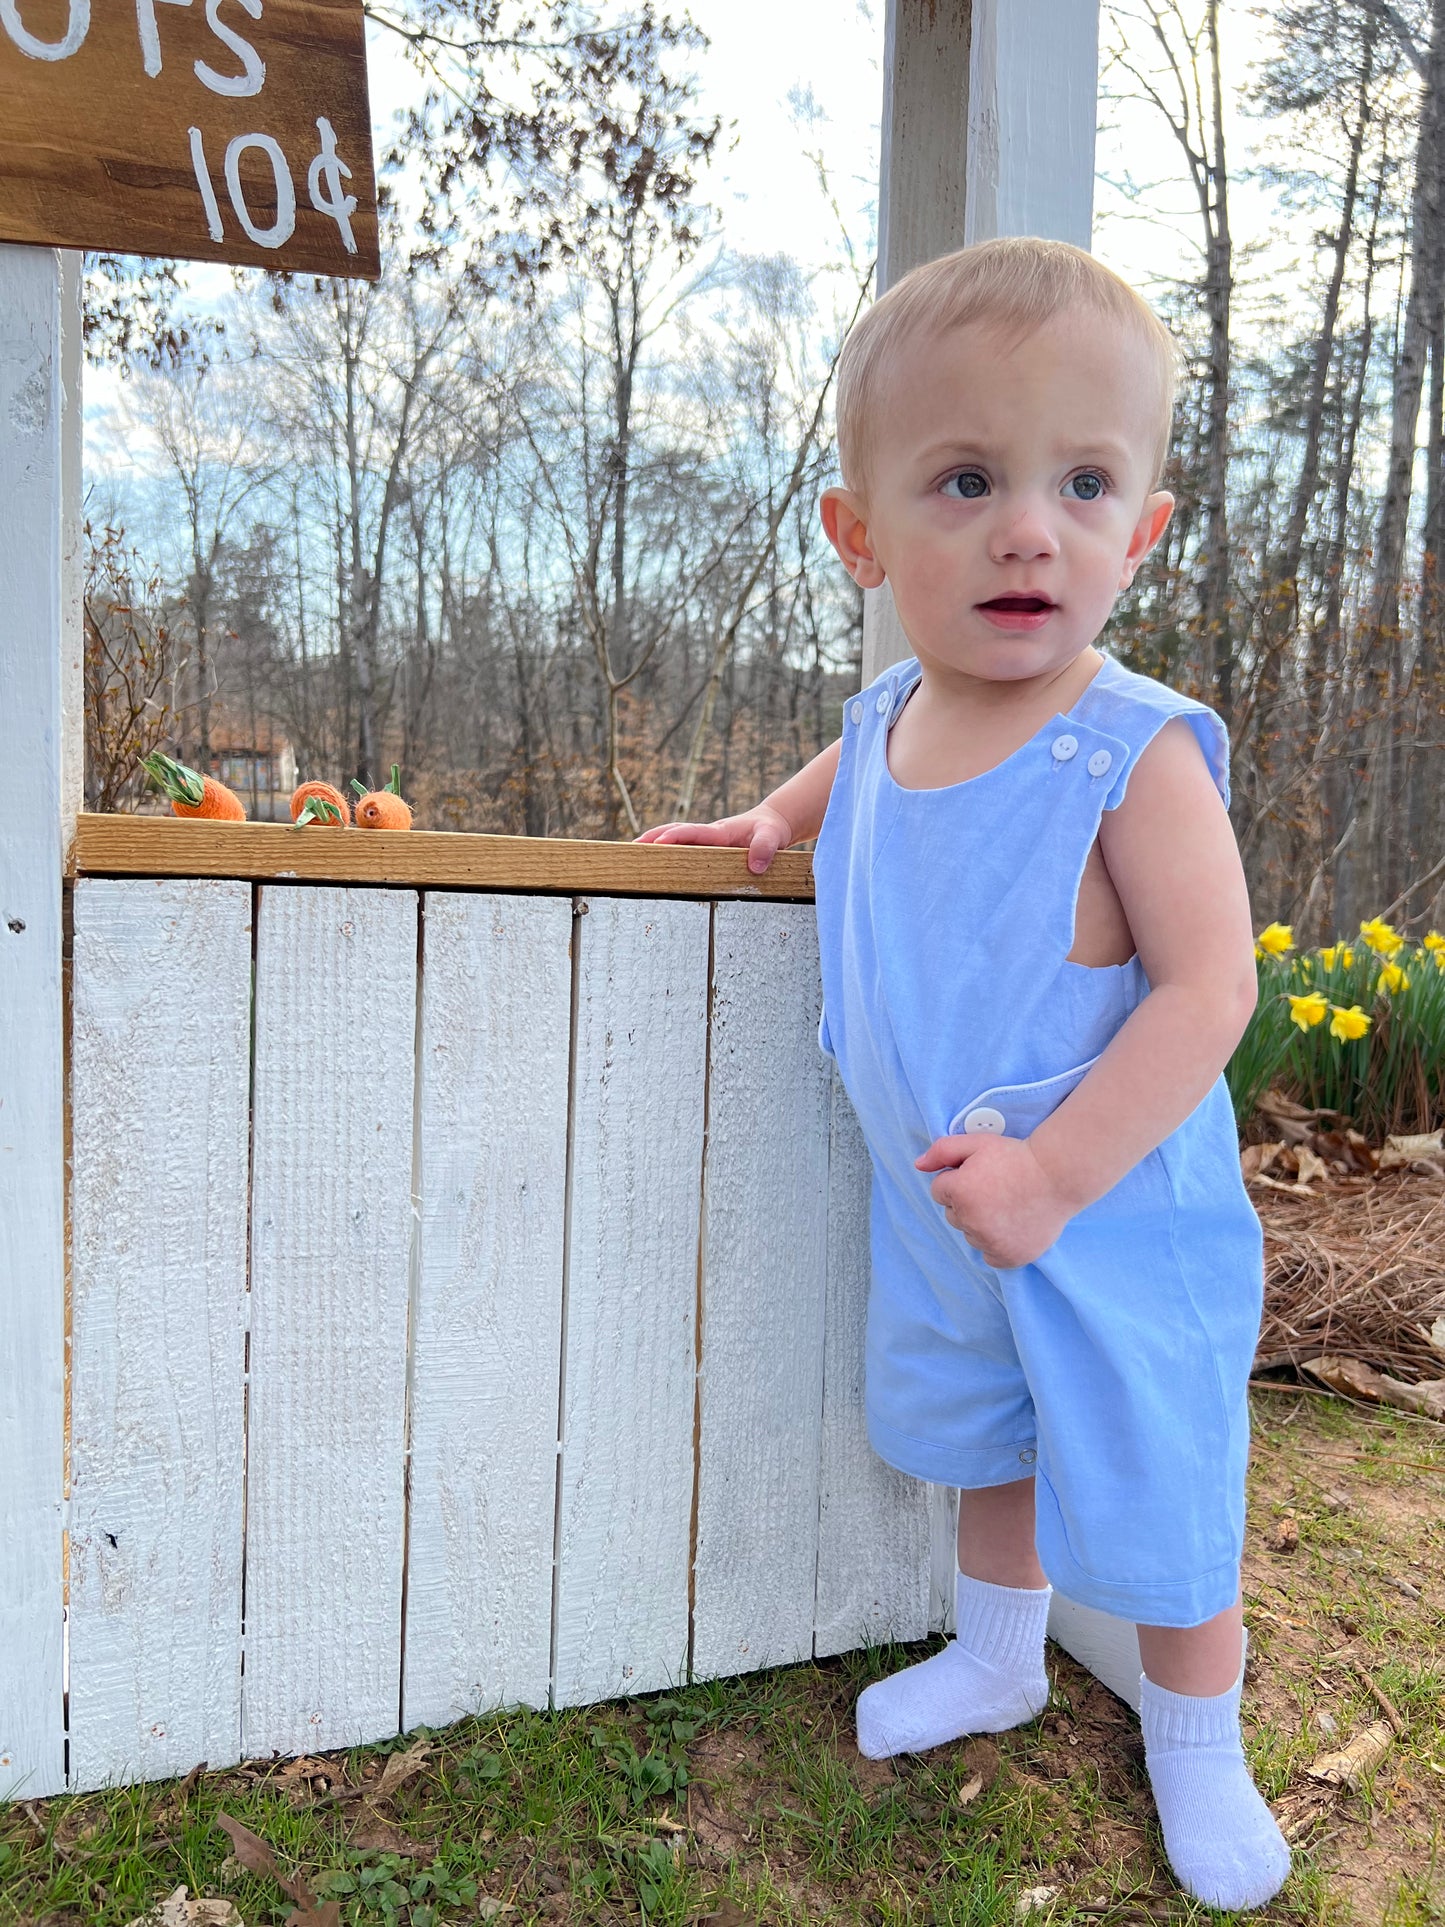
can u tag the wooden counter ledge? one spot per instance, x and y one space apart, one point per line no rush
160 846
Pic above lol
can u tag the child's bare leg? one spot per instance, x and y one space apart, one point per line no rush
996 1535
991 1675
1220 1836
1195 1659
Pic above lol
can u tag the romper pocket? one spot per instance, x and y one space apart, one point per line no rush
1014 1110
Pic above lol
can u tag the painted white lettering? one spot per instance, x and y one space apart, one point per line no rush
235 86
150 37
284 226
328 170
77 27
206 185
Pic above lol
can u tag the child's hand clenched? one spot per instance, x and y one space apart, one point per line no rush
762 832
997 1195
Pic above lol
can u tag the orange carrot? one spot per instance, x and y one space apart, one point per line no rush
382 809
319 803
191 793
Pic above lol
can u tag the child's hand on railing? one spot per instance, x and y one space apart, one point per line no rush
761 831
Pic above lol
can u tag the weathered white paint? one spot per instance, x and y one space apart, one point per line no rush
873 1523
32 1157
765 1247
1109 1647
1033 109
330 1240
487 1310
628 1375
72 545
160 1077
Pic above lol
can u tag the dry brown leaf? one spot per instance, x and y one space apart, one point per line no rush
1352 1762
1283 1535
178 1910
401 1767
1357 1380
252 1851
969 1791
376 1835
1403 1151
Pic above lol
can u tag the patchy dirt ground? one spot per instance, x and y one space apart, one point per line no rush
745 1801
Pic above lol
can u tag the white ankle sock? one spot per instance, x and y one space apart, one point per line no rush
1220 1836
988 1678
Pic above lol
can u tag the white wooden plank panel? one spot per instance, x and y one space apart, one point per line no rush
33 507
486 1343
160 1076
629 1371
763 1290
943 1523
330 1239
874 1553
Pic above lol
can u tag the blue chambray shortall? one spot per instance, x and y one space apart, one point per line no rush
1114 1367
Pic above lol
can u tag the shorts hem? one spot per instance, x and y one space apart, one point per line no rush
1182 1602
970 1468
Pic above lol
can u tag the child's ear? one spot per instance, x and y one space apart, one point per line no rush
845 522
1153 520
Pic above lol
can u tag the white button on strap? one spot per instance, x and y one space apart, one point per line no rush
985 1118
1100 763
856 712
883 704
1064 748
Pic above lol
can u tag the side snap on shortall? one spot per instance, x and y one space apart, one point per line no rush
1114 1367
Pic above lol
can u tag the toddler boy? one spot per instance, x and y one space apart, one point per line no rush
1037 959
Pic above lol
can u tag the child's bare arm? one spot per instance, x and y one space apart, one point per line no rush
1173 860
791 814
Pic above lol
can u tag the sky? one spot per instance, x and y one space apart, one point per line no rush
790 78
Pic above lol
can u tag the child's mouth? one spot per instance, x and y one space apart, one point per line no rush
1017 611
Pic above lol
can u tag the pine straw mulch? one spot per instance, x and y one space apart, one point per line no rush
1354 1259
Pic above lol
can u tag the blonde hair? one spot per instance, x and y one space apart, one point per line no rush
1016 284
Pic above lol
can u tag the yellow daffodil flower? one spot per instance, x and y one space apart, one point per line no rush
1348 1024
1392 978
1274 940
1309 1010
1342 951
1433 941
1382 937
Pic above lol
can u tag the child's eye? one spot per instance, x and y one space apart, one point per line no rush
972 486
1088 486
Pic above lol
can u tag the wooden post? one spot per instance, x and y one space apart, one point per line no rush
990 109
39 785
1020 79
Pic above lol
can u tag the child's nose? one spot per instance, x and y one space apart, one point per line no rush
1023 534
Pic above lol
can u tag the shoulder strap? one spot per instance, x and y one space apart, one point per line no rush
1135 708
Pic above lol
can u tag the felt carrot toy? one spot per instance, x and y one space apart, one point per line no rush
382 809
191 793
319 803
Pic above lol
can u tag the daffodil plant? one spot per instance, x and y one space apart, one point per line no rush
1356 1026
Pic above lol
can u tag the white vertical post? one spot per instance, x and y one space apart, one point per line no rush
39 491
1021 77
990 111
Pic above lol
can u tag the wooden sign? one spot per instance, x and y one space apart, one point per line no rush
218 130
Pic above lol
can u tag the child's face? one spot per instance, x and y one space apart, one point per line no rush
1008 500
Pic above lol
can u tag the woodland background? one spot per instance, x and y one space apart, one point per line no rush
536 516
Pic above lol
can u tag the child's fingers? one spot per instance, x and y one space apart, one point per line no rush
710 833
947 1153
765 845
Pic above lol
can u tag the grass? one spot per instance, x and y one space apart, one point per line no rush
744 1801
